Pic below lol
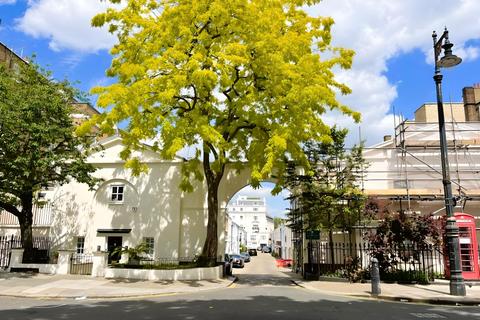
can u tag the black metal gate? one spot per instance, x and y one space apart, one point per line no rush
81 263
6 245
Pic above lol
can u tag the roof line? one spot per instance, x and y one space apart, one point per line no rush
13 52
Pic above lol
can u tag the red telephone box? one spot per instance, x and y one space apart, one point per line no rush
468 250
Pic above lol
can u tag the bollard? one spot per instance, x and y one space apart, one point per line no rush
375 275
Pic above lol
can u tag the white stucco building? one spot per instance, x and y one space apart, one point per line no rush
126 210
282 242
235 235
251 213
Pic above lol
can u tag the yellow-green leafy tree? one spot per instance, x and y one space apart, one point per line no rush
238 80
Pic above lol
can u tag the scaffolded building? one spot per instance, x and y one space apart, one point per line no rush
406 169
404 173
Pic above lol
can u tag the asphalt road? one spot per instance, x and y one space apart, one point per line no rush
262 292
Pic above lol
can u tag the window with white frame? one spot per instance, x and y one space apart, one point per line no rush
117 192
150 242
80 244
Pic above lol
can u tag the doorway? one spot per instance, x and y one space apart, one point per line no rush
112 243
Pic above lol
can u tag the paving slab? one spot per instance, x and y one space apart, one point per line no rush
79 287
436 293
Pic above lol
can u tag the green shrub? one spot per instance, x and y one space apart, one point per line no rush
243 248
405 276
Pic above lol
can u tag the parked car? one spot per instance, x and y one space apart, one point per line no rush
266 249
252 252
237 261
245 256
228 265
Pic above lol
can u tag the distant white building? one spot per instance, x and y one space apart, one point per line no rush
251 213
235 235
270 227
282 242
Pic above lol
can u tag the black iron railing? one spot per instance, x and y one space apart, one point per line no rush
326 258
41 250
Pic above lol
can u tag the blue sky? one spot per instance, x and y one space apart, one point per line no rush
392 39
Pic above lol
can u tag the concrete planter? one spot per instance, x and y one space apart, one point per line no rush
61 267
212 273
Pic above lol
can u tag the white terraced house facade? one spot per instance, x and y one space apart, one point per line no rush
251 213
125 210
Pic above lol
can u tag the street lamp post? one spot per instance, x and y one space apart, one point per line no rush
457 285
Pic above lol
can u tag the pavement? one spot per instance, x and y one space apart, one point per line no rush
82 287
45 286
437 292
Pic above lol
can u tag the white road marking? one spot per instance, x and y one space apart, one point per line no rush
428 315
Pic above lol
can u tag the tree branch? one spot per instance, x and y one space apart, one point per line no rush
185 99
10 208
206 163
231 136
212 148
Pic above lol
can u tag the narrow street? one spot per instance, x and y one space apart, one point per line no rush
262 292
262 271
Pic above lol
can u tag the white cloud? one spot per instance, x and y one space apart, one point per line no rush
66 23
468 53
379 30
3 2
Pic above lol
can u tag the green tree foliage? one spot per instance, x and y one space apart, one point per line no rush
37 142
328 196
277 222
234 79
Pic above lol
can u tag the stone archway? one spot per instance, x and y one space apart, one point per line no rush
233 182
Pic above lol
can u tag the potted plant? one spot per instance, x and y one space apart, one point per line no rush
135 254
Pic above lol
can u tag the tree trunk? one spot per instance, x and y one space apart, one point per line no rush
25 220
210 247
208 258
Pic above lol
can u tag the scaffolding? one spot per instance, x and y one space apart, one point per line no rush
408 167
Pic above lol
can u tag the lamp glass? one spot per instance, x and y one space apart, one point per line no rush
448 61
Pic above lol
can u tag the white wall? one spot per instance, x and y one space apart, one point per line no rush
153 207
235 235
282 242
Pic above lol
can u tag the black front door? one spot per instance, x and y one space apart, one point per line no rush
112 243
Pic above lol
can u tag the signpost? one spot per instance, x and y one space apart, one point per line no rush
312 235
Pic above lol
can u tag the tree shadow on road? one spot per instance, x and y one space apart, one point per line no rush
251 307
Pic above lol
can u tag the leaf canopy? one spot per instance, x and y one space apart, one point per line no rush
38 146
329 195
241 80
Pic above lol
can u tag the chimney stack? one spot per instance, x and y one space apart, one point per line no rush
471 102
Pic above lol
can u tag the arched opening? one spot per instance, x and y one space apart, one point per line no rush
254 219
